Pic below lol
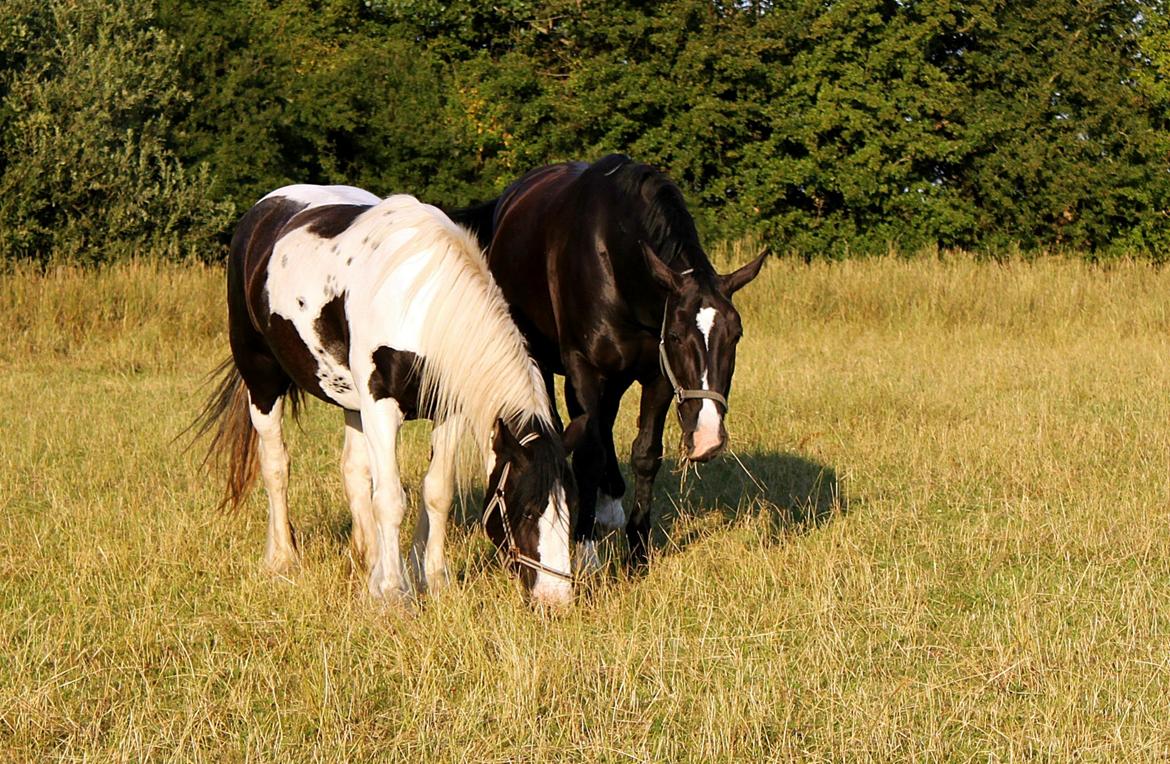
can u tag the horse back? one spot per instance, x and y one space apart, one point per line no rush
567 254
521 255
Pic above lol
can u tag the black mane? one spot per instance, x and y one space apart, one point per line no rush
544 469
661 210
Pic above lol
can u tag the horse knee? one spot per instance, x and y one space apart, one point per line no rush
646 463
437 494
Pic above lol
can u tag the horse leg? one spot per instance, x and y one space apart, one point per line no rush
583 388
608 510
355 472
646 458
428 555
280 552
381 421
610 513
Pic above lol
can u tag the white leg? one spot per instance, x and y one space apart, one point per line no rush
280 553
586 561
355 472
428 555
610 514
380 423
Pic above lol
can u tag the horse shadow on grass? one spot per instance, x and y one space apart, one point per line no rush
789 493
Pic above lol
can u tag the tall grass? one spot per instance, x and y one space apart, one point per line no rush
952 546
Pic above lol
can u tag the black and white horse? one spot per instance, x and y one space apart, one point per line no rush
602 266
386 309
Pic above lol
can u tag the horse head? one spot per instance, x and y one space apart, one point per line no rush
527 509
699 333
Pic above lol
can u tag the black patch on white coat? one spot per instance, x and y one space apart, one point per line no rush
396 375
298 362
333 330
329 221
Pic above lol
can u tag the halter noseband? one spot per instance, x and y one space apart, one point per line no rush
513 550
681 393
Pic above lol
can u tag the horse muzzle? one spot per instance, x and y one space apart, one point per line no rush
551 591
704 443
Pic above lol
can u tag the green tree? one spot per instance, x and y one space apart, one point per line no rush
87 172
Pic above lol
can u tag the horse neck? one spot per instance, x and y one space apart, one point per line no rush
477 364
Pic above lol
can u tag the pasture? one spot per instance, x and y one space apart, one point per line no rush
953 545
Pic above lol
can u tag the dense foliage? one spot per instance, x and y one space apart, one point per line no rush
828 127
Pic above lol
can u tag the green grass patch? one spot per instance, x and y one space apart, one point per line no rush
952 545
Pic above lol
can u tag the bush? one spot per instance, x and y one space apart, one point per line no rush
87 172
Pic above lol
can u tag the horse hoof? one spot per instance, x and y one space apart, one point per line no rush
610 514
385 592
586 561
282 564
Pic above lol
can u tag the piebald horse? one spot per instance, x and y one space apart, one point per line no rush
602 266
386 309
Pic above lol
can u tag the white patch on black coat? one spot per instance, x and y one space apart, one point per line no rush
706 435
610 514
553 548
299 260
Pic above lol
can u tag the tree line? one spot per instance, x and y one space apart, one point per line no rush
826 127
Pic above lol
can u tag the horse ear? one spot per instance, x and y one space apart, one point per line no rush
503 441
575 433
660 271
740 277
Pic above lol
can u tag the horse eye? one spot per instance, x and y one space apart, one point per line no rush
673 336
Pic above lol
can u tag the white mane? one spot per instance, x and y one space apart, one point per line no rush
477 366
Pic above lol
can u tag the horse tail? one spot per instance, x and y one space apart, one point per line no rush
234 437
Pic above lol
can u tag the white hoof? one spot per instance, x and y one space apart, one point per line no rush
281 562
437 579
610 514
586 561
387 591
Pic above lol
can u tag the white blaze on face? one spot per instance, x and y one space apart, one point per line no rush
553 551
706 436
705 318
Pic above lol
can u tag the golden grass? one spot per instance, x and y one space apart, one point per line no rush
959 550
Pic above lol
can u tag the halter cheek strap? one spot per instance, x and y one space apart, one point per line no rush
513 550
681 393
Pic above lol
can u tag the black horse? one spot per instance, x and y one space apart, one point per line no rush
602 267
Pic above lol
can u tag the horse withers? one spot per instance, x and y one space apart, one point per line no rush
386 309
602 266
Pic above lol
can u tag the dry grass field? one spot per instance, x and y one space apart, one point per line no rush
953 546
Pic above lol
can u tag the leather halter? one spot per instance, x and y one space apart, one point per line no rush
513 551
681 393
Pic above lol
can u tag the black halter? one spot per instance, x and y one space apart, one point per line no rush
513 551
681 393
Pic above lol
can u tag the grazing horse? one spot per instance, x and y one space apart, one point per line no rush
386 309
602 267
